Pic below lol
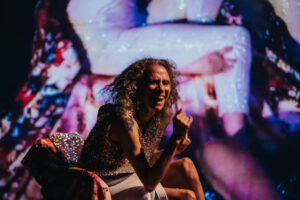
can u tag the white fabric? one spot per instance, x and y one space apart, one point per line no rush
192 10
130 187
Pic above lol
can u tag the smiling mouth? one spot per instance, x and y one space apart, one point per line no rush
158 99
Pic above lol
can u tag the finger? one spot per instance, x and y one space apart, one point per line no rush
186 135
181 143
226 50
180 116
178 112
230 60
181 140
184 119
186 142
190 120
227 68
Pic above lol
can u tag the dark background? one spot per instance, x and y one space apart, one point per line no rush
17 22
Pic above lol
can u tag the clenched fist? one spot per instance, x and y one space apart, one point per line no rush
181 124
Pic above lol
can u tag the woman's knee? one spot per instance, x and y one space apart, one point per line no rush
187 167
188 195
178 193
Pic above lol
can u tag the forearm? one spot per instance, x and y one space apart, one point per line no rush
155 156
181 124
198 67
160 163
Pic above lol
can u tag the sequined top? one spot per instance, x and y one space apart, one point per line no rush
105 157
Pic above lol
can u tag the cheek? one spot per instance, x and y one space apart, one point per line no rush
168 91
151 88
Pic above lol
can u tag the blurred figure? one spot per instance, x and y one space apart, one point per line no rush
109 32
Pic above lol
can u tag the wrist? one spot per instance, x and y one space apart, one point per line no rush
175 140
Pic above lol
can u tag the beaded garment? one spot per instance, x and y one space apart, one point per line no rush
105 157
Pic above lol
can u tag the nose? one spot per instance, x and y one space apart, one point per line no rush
160 87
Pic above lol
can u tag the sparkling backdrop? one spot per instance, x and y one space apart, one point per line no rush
61 93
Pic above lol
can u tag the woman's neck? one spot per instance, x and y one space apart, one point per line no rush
144 118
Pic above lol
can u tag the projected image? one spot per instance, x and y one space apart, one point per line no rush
238 78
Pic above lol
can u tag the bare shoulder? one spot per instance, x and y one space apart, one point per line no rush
122 126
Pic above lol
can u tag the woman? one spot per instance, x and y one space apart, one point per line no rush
121 148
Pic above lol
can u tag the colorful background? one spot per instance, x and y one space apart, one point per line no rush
47 86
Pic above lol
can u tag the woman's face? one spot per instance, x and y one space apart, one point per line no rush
157 90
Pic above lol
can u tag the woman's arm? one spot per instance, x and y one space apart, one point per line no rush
126 133
212 63
184 143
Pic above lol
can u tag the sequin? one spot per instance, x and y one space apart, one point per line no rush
69 144
103 156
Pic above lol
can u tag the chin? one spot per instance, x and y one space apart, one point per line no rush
158 108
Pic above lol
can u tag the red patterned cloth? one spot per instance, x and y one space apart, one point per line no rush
51 161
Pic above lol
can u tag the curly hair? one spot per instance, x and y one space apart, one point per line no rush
125 92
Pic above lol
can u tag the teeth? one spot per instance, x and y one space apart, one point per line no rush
159 98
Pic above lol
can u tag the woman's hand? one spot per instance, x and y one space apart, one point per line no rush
217 61
212 63
181 125
184 143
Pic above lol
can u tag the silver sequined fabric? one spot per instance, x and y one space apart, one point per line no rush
103 156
